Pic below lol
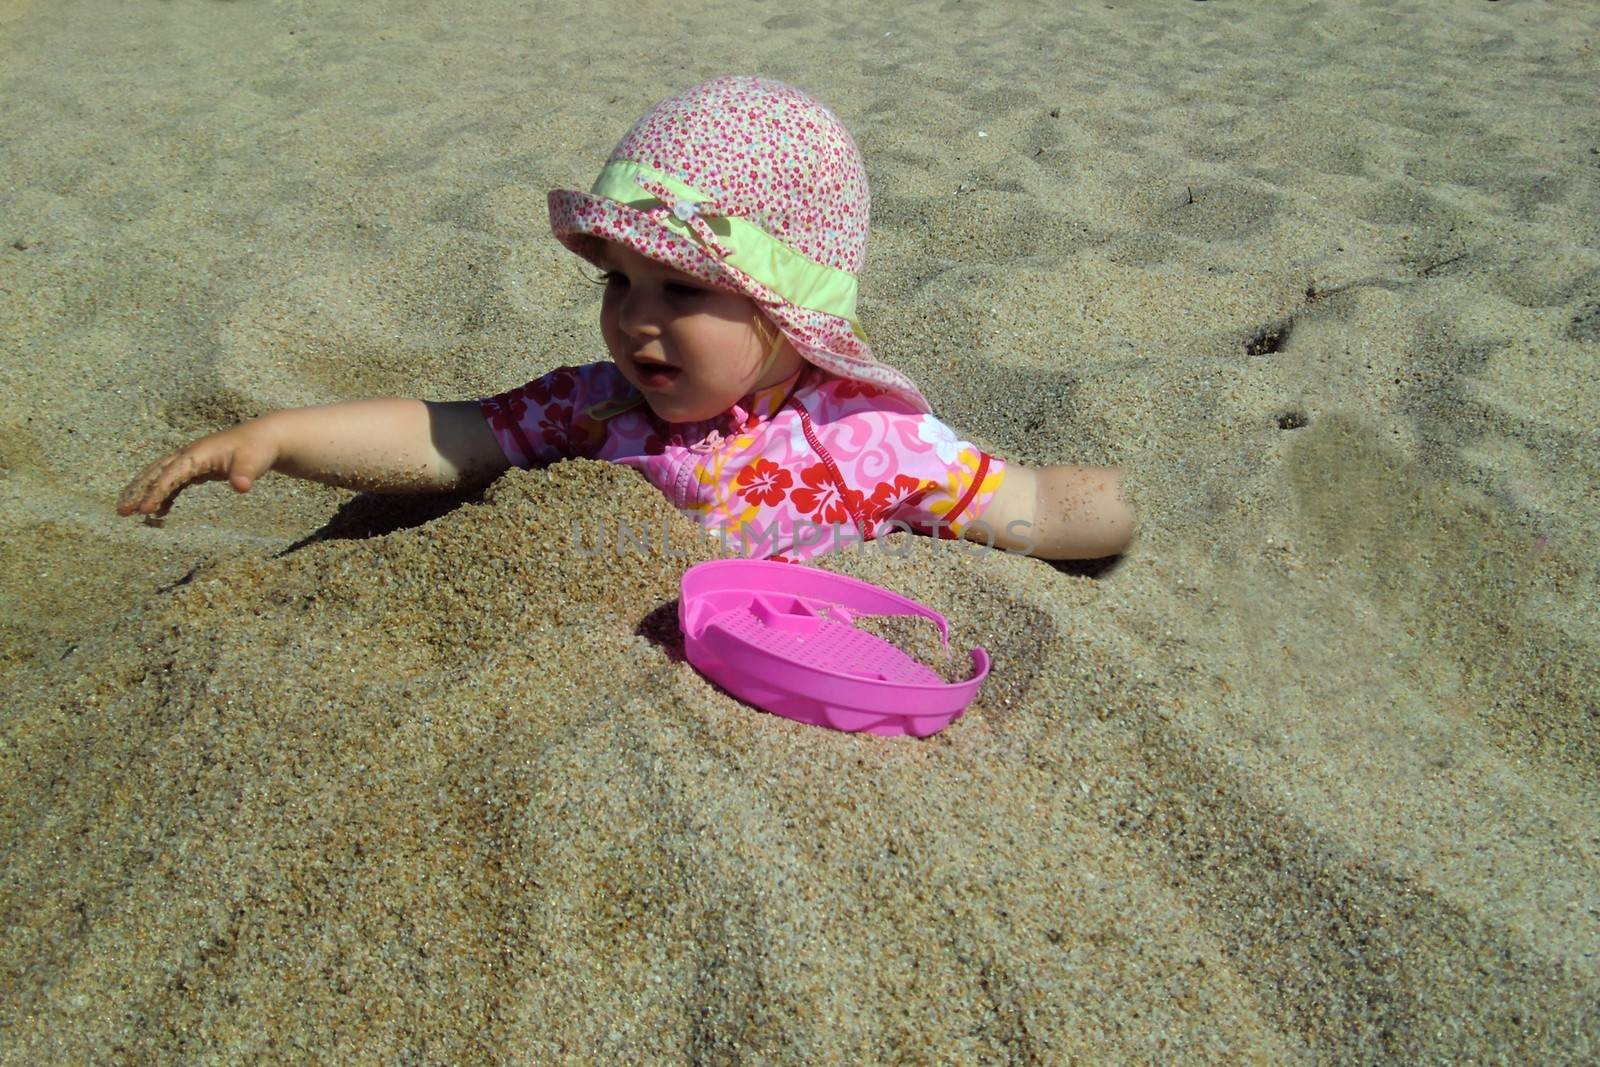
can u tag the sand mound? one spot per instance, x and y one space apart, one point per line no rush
452 790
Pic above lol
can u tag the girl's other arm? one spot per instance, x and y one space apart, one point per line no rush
1058 513
382 446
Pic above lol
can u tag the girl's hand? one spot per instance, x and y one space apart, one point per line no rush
240 455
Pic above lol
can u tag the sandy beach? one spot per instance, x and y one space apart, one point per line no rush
1308 776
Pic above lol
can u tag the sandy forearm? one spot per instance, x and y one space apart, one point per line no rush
1081 513
376 446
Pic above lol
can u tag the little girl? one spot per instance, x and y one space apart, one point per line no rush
729 224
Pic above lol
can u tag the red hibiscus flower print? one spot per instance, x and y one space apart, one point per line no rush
559 384
507 414
821 497
555 424
764 482
889 497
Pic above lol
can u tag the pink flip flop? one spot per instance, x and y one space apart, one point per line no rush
782 637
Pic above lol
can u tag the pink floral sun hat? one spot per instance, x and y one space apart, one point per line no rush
751 185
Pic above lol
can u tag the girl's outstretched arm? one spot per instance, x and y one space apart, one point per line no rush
382 446
1058 513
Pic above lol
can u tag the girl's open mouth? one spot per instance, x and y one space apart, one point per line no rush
656 375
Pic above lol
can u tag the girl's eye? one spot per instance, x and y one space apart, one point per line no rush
673 290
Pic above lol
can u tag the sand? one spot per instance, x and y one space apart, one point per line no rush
918 638
1308 776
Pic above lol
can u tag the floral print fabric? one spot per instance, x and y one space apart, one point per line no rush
805 467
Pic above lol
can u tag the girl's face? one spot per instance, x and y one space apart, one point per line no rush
691 348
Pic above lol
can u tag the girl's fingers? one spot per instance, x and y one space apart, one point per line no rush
157 499
134 493
188 469
181 470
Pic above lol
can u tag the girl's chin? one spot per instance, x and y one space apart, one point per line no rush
670 412
671 409
682 401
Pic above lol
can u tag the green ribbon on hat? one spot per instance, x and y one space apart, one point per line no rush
753 251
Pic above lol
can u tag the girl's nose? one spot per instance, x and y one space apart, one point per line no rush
639 315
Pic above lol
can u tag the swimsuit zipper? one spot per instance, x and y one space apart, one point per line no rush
831 467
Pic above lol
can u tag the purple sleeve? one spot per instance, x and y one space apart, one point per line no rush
546 420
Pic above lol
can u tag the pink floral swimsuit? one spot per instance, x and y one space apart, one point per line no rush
804 467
